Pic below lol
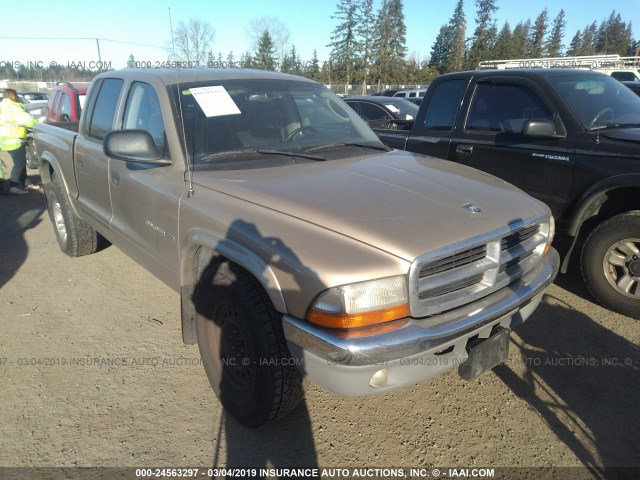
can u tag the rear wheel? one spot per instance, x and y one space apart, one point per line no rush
242 347
75 236
611 263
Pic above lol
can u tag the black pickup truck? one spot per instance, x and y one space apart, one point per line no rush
567 137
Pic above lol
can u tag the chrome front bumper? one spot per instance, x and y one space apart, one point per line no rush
420 349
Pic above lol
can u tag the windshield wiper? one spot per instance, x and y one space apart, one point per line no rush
382 148
291 154
614 125
261 152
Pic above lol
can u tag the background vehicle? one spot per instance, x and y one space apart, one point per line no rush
378 111
66 102
300 245
34 103
570 138
414 95
63 108
633 86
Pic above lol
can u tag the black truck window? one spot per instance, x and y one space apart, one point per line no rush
444 105
504 108
105 108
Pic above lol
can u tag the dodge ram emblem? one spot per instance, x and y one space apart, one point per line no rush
473 208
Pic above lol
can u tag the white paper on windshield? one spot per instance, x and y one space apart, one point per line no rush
214 101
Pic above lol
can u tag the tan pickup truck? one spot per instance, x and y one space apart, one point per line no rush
300 244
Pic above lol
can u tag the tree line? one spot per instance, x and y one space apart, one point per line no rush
368 45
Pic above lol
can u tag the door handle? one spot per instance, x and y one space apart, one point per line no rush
115 177
466 149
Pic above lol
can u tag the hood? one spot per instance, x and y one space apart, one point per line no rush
399 202
626 134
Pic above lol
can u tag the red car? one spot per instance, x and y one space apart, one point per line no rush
66 101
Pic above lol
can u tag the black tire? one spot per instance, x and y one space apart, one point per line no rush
75 236
610 263
32 160
243 348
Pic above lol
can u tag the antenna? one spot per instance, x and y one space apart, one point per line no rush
190 191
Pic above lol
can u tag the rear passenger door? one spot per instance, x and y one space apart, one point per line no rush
91 164
489 137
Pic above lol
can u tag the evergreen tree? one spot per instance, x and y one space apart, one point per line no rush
588 46
390 44
538 33
231 61
505 47
458 24
520 39
613 36
554 46
344 39
441 49
576 45
313 70
265 55
366 34
481 41
131 61
447 52
246 61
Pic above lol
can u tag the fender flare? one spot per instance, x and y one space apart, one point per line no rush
589 203
200 247
49 162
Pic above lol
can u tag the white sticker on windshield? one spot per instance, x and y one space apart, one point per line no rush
214 101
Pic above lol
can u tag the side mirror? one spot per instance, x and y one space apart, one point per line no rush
540 127
133 146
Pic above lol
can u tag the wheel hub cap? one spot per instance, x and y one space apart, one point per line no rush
622 267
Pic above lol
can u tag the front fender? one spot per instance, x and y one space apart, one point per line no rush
199 248
589 204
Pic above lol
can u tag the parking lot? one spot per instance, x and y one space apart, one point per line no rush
94 373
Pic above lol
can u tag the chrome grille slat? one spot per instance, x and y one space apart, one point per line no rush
454 276
456 260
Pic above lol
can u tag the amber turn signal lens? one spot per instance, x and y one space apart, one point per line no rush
344 320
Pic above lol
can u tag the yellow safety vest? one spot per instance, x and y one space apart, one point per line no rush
13 124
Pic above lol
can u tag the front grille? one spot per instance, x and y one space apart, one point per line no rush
460 274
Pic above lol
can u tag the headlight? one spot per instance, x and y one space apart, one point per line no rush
361 304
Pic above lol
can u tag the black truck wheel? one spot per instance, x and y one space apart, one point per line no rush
610 263
243 348
75 236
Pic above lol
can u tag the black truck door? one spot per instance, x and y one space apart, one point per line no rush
432 129
489 137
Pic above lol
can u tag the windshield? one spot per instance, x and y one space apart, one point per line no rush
598 100
235 120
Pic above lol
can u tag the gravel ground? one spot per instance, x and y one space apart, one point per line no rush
94 373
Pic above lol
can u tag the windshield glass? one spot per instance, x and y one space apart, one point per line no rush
235 120
598 100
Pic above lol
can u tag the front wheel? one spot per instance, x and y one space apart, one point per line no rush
610 263
242 346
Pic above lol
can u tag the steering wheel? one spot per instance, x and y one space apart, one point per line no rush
298 131
599 115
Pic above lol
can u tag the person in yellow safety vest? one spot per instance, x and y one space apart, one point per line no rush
14 122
